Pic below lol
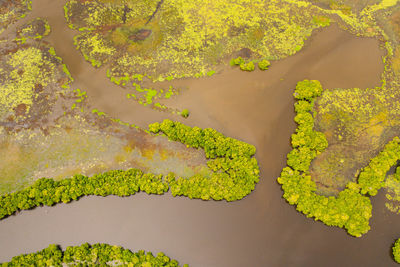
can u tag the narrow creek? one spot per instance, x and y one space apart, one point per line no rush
257 107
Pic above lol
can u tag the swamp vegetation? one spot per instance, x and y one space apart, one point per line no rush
343 147
91 255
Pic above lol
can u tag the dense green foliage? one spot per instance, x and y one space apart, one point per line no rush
247 66
396 251
49 192
264 64
372 178
91 255
185 113
235 171
350 209
239 61
308 90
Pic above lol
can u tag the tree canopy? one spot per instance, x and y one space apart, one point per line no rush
91 255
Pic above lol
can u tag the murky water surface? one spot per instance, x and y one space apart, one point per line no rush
257 107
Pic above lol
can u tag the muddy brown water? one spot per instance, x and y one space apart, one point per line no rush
257 107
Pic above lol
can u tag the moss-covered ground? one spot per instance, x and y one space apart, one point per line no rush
47 129
164 40
359 122
11 11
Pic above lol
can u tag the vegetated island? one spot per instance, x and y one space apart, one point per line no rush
91 255
235 173
352 208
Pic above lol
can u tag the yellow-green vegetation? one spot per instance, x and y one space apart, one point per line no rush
42 132
164 40
264 64
81 96
27 74
185 113
35 29
249 66
94 48
359 122
75 146
392 186
322 21
384 4
235 171
72 148
184 38
30 76
351 209
28 67
11 11
91 255
396 251
372 177
146 96
234 175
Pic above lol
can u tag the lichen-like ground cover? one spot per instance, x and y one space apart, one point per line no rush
47 128
165 40
11 11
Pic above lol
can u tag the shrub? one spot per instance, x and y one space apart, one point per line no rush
235 173
235 170
396 251
372 177
350 209
264 64
242 64
308 90
185 113
237 61
211 73
247 66
49 192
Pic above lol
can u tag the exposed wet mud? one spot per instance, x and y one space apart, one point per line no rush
257 107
